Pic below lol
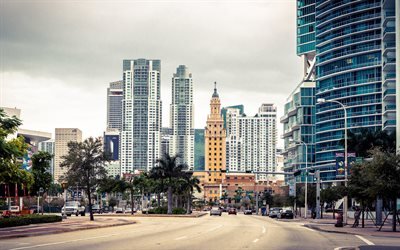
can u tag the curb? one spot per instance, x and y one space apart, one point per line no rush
65 230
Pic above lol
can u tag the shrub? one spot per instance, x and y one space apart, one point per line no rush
178 210
28 219
158 210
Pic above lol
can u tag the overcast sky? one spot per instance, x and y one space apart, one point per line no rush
58 57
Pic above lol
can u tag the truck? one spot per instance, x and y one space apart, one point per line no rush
73 207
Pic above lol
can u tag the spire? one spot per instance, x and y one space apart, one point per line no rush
215 94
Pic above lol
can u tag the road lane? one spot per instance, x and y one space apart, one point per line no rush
225 232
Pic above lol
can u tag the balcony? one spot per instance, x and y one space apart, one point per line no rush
389 124
349 67
389 108
389 95
346 42
389 30
349 84
389 64
336 56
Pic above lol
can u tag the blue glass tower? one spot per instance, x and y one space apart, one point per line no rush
348 70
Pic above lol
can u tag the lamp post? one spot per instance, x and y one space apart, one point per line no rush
322 100
305 195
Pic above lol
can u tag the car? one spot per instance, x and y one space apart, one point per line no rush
97 209
248 211
73 207
273 212
119 210
215 211
232 210
128 210
285 214
35 209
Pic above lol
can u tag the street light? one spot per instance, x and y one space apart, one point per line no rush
305 198
322 100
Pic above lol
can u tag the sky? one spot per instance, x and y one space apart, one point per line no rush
57 57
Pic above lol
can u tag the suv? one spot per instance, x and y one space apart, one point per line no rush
73 207
273 212
97 209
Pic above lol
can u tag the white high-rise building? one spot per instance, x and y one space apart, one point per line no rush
182 116
62 137
141 115
232 140
48 146
258 138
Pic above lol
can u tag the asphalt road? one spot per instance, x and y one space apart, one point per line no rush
225 232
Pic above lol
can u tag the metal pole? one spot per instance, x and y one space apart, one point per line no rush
318 204
345 163
305 198
256 202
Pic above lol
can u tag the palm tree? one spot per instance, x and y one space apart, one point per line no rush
169 169
191 183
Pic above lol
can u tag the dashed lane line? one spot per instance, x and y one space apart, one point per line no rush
254 241
181 238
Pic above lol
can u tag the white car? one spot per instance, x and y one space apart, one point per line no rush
215 211
73 207
119 210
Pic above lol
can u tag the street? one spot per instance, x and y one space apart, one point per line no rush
225 232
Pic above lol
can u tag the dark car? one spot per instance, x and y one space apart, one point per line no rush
232 210
96 209
35 209
248 211
285 214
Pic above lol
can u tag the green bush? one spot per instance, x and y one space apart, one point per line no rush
158 210
178 210
28 219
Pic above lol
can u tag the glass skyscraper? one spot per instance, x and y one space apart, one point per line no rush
349 51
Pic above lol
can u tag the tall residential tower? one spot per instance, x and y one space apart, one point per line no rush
182 116
141 115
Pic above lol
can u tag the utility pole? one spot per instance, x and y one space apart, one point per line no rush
256 193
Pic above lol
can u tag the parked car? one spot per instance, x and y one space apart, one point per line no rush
248 211
97 209
285 214
119 210
232 210
273 212
215 211
73 207
128 210
35 209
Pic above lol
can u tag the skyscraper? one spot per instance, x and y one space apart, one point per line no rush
215 150
141 112
199 161
182 116
114 105
349 51
48 146
258 138
233 153
62 137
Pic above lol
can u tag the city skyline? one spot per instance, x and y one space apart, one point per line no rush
79 79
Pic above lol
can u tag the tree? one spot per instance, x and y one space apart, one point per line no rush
85 166
170 170
40 171
191 183
54 189
268 198
330 195
10 153
112 202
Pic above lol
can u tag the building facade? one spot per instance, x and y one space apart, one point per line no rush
141 112
233 146
260 133
48 146
166 141
182 116
199 160
111 144
224 111
114 105
215 151
62 137
299 130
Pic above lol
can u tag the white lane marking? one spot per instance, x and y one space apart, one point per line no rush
309 229
63 242
181 238
365 240
212 229
255 240
263 231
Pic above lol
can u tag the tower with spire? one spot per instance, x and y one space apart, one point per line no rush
215 151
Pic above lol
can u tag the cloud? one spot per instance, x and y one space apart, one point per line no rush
248 47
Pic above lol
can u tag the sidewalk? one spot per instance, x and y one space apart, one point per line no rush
70 224
328 225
